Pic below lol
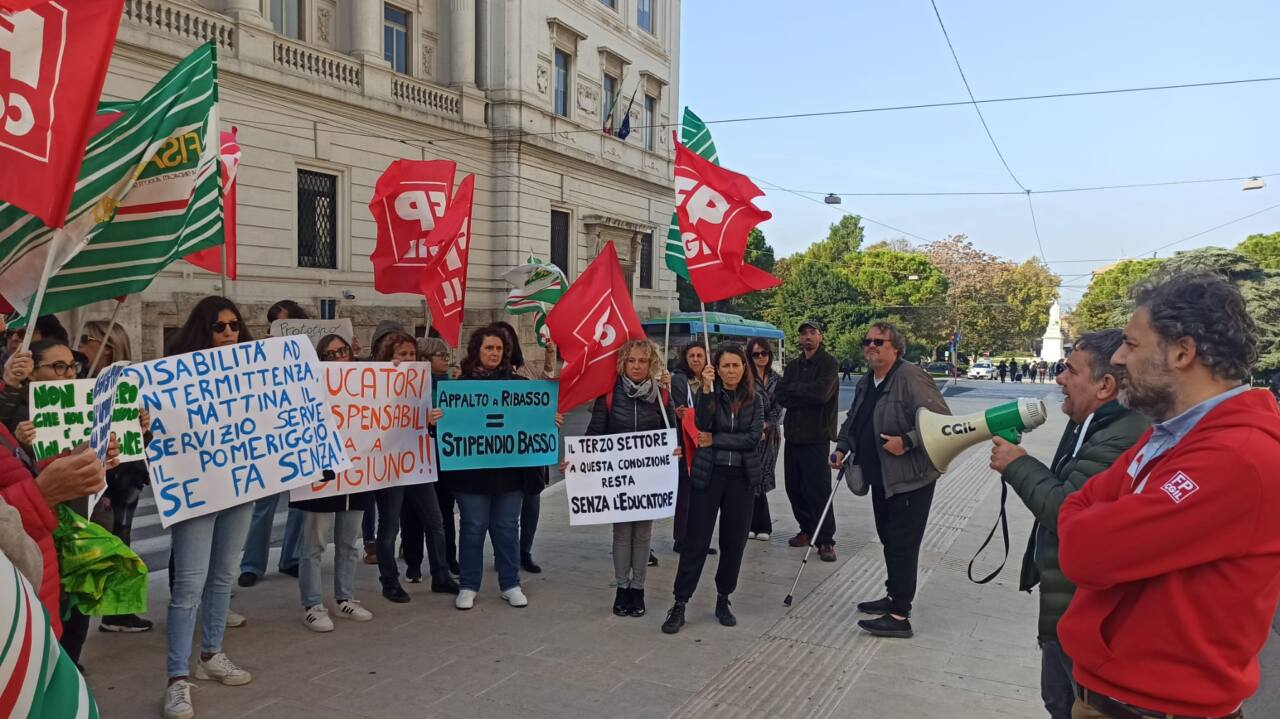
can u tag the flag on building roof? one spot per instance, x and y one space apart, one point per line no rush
537 286
695 136
148 193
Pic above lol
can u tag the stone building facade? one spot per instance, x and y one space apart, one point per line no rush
326 93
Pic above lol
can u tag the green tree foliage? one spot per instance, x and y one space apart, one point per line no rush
814 291
1106 303
1263 250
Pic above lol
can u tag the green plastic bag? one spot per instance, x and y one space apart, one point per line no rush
101 576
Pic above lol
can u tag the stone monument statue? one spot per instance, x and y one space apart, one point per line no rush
1051 348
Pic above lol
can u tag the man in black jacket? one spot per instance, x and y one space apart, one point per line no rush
810 391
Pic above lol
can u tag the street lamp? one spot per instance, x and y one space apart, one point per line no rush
832 199
1253 183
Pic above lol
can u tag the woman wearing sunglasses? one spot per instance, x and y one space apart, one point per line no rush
766 382
338 517
205 549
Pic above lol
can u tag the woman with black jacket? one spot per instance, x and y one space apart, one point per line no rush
489 500
338 516
639 404
726 471
684 394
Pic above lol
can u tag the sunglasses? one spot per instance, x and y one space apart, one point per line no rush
220 327
340 353
867 342
761 354
86 339
62 367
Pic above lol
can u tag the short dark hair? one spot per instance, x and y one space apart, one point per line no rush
293 308
1211 311
896 338
39 349
50 327
1101 346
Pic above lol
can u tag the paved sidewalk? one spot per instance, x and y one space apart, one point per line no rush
566 654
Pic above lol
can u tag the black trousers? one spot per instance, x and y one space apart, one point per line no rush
761 522
808 483
730 496
900 522
75 630
421 500
447 507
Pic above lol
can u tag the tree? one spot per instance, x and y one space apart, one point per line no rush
900 286
844 239
1263 250
814 290
1106 303
1028 290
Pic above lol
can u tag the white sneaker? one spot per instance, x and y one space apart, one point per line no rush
515 597
220 668
466 599
235 620
177 701
762 536
317 619
751 535
351 609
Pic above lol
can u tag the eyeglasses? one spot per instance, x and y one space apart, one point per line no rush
62 367
868 341
86 339
760 354
220 327
340 353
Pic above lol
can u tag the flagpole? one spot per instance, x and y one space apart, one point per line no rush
33 311
111 325
666 339
223 269
706 329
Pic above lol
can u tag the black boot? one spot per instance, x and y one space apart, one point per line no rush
675 619
622 602
637 603
723 613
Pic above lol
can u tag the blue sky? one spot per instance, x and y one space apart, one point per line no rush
752 57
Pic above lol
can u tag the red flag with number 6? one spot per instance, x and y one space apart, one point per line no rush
444 279
590 324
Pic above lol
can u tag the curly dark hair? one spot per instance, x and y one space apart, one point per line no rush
472 361
1209 310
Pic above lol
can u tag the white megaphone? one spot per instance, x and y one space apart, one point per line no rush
945 436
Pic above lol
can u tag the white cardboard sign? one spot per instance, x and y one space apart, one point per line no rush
621 477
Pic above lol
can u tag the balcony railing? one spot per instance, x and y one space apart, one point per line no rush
183 21
316 63
428 97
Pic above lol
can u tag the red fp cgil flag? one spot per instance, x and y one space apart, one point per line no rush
716 216
590 324
444 279
53 61
211 258
409 200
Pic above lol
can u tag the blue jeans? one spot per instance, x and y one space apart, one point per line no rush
1057 688
204 566
499 516
317 528
258 543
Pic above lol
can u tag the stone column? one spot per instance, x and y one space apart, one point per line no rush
366 30
249 11
462 26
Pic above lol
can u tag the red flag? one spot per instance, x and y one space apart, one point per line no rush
53 61
713 207
408 200
444 280
590 323
211 258
689 428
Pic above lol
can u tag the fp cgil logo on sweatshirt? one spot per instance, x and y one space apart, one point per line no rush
1179 487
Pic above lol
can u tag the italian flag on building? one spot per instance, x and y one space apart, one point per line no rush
695 136
148 193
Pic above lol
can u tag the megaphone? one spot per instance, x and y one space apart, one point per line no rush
945 436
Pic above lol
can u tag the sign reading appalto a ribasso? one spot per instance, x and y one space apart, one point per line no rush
621 477
497 423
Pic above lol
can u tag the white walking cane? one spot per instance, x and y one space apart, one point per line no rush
814 540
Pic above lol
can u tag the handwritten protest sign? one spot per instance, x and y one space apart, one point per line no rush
621 477
314 329
62 412
104 399
497 423
380 410
234 424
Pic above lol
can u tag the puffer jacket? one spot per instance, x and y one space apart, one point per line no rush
629 415
1111 432
735 437
18 487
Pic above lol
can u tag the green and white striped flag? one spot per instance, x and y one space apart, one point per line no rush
537 287
695 136
148 193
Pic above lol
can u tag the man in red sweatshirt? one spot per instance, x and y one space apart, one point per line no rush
1175 549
